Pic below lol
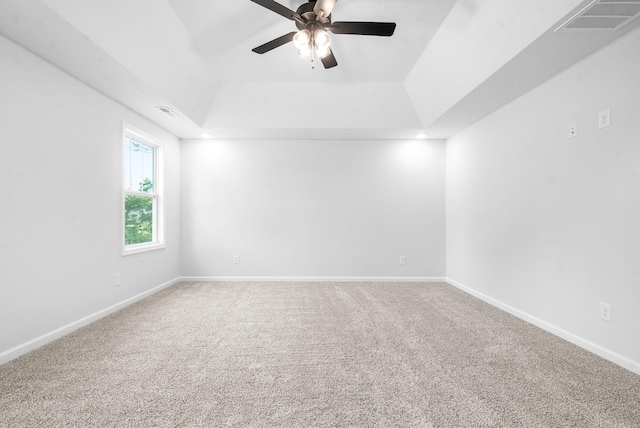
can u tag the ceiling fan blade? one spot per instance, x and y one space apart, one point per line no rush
323 8
329 61
279 9
274 43
364 28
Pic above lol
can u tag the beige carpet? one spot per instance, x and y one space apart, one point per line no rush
326 355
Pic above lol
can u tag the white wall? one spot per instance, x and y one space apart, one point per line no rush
362 105
60 202
549 225
313 208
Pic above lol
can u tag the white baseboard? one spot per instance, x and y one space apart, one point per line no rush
310 279
614 357
22 349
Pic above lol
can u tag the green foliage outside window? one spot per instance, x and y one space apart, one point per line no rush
138 215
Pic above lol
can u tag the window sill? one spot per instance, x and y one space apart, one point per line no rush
142 248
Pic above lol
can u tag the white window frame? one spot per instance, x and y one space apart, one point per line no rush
158 187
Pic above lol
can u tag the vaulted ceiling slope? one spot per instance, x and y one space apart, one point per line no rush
449 63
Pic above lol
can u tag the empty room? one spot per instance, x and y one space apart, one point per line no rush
291 213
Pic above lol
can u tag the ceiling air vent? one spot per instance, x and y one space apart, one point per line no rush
603 16
167 111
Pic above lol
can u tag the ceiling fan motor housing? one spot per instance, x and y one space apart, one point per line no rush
309 17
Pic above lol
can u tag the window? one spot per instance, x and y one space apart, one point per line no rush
142 193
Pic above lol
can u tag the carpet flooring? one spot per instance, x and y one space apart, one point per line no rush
314 355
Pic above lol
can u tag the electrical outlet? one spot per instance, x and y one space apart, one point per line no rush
605 311
573 129
604 119
116 279
403 260
236 260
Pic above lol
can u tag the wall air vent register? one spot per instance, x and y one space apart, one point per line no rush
167 111
604 16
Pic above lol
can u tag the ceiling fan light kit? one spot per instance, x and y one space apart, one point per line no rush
308 42
313 20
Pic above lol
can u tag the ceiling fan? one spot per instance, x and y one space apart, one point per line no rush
313 20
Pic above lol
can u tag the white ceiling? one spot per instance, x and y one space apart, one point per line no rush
448 64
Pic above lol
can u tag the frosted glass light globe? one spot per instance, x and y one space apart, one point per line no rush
322 39
302 39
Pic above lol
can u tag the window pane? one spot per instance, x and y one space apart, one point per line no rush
138 166
138 219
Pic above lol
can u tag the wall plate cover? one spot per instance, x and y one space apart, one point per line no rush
604 119
605 311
